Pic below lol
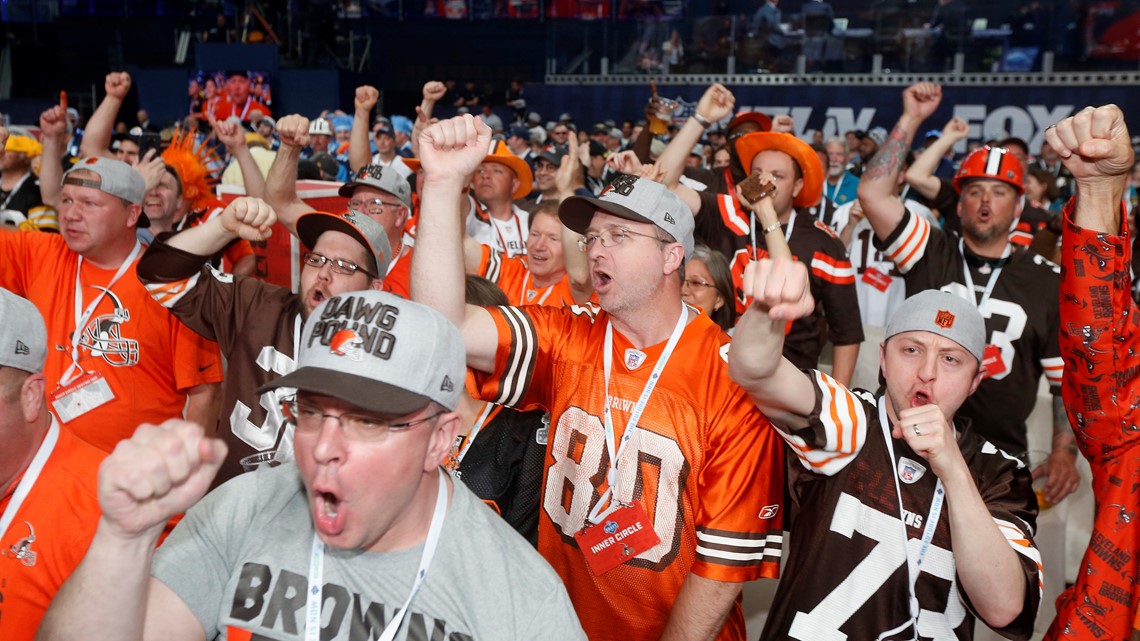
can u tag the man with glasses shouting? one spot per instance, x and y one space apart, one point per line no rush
660 496
364 537
258 324
379 192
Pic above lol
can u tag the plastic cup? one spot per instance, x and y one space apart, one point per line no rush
255 461
660 113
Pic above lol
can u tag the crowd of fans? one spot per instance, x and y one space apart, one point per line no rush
451 338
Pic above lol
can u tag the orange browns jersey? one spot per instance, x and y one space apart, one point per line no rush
48 536
704 462
1100 338
148 359
846 575
512 276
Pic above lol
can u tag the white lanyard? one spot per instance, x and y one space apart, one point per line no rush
522 295
931 517
479 423
980 304
12 194
83 315
787 230
30 476
316 572
598 513
838 186
296 336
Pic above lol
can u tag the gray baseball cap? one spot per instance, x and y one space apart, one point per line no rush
381 353
633 198
23 336
115 177
383 178
363 229
944 314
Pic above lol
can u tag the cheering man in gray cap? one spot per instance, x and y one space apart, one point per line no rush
115 356
364 537
662 482
48 502
257 324
377 192
908 524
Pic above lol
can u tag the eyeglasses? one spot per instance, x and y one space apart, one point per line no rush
559 133
358 427
340 266
695 283
611 238
373 207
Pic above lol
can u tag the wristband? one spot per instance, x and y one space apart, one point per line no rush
701 120
773 227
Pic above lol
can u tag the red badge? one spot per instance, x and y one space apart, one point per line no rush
944 319
992 361
622 535
877 279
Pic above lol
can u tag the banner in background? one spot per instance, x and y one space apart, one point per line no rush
1022 111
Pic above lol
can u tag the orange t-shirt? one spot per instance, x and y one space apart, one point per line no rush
513 276
705 463
147 357
61 511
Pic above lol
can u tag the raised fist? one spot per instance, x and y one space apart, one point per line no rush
117 84
293 130
366 98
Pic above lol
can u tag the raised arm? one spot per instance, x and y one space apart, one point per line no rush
157 473
920 175
433 92
716 104
450 151
281 184
570 177
781 292
877 186
231 134
101 124
359 146
53 125
248 218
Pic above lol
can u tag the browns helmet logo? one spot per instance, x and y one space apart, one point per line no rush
348 343
944 319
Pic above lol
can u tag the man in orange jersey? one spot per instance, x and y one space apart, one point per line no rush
539 278
48 499
116 357
662 482
874 557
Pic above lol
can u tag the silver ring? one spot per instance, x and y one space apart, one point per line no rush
916 431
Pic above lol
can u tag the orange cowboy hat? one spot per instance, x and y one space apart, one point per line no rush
502 155
751 144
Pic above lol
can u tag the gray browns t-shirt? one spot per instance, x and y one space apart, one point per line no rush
240 561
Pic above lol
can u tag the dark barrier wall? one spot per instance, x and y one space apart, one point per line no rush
1022 111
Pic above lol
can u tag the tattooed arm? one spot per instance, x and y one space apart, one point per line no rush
878 188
